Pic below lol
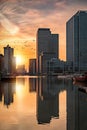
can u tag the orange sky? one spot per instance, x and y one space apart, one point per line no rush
20 20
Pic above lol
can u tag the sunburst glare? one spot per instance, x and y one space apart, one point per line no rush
19 60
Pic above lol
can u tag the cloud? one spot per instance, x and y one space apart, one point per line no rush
46 6
28 15
9 26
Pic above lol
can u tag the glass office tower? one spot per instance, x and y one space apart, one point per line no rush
76 41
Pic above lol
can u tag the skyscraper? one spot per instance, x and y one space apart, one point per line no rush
76 41
46 43
9 60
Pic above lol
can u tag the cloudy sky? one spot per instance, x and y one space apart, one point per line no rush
20 19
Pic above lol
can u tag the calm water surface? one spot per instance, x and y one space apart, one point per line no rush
30 103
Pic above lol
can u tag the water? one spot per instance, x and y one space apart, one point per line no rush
30 103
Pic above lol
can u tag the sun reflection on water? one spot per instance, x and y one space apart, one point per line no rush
19 88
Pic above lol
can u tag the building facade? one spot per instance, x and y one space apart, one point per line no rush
1 63
21 69
9 60
76 41
44 58
46 43
32 66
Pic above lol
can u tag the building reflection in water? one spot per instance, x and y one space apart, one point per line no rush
76 108
47 99
20 81
1 92
32 84
7 90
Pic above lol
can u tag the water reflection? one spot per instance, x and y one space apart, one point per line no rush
76 108
10 87
20 83
47 97
7 90
32 84
44 99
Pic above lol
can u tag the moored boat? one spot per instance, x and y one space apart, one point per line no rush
80 78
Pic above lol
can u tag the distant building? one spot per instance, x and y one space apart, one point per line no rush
32 66
21 69
56 66
46 43
76 43
9 60
54 47
14 65
43 61
1 63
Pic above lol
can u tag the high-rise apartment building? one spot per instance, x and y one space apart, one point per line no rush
9 60
76 41
46 43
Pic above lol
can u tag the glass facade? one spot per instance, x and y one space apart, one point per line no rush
76 30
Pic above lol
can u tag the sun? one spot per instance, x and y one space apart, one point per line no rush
19 60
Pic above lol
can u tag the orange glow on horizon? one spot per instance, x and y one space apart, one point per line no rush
19 60
18 28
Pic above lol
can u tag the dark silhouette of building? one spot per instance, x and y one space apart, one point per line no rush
32 84
21 69
76 43
76 108
9 60
1 63
47 101
32 66
43 61
46 43
1 92
8 91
